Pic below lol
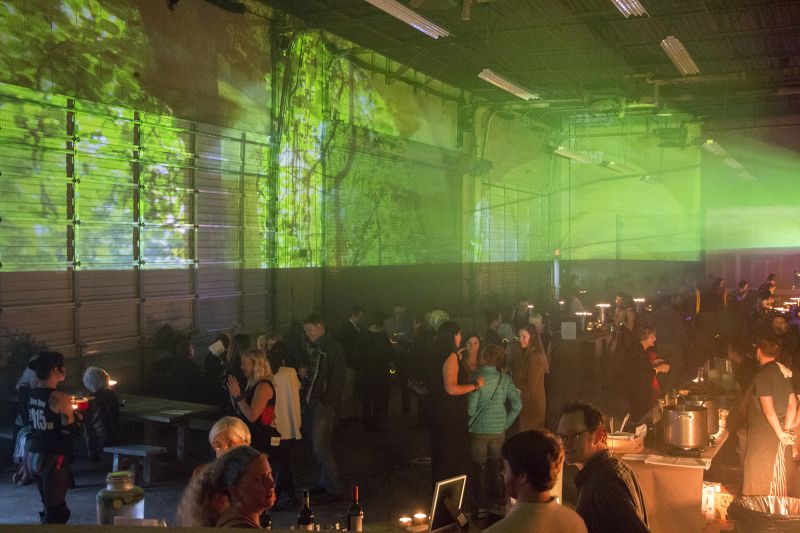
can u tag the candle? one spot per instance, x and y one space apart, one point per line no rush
420 518
405 521
112 382
81 404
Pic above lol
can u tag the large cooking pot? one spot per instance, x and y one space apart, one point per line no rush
685 426
712 406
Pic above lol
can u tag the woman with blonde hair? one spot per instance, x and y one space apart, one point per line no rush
256 405
242 477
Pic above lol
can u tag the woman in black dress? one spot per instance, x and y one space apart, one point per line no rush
449 384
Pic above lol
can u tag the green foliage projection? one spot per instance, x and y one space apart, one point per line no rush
92 185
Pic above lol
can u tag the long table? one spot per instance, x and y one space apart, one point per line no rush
151 410
672 492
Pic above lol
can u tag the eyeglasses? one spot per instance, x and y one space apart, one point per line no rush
571 439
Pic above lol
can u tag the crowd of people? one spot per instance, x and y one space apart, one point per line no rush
482 396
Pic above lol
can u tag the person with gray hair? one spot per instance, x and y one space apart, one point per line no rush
242 479
101 425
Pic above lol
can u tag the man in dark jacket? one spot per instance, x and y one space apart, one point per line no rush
326 367
347 335
609 497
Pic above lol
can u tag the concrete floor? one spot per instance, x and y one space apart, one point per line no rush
392 481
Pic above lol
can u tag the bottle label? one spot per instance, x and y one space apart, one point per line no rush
356 523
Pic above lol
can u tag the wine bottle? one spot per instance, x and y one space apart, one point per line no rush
305 517
265 520
355 513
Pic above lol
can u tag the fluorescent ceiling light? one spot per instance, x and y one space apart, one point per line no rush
679 56
569 154
497 80
410 17
630 8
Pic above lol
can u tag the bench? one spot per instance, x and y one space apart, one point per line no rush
142 452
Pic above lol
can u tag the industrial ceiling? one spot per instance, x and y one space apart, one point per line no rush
586 51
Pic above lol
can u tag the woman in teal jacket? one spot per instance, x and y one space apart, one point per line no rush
488 421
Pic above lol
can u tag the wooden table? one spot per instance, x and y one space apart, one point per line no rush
152 410
673 494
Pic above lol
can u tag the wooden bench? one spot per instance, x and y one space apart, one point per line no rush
142 452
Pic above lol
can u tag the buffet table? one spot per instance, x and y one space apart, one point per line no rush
673 486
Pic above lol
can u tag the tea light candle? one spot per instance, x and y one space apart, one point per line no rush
420 518
405 521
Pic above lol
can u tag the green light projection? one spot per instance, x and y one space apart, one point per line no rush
638 196
750 190
354 190
107 187
366 172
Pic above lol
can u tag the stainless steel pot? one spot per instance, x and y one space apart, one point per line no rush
712 406
685 426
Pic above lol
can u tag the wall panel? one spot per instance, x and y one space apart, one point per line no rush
30 288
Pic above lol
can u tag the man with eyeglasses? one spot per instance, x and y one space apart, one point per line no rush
609 497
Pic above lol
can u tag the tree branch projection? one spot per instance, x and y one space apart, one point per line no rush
349 189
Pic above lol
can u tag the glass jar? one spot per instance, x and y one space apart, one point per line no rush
120 498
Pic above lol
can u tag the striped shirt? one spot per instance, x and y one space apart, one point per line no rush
609 497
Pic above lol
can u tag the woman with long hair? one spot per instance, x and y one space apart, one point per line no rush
256 405
49 447
449 384
473 347
287 421
528 368
238 345
242 477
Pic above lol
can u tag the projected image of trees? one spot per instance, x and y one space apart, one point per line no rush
103 186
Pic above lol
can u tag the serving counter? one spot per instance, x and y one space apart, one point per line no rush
673 486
